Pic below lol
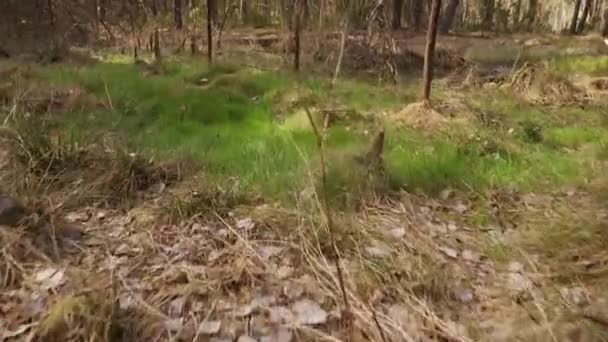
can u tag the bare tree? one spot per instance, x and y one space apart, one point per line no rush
449 16
605 23
297 18
210 6
177 13
431 38
577 7
586 9
417 11
488 14
397 12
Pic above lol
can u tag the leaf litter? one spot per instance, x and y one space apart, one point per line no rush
412 275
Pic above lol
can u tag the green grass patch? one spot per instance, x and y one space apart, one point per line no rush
590 65
237 125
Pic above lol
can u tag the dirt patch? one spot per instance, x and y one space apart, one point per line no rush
420 115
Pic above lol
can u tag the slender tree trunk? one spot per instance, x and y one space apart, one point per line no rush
102 10
448 17
49 4
154 8
431 38
417 10
577 7
586 9
177 12
531 14
605 23
397 14
210 6
297 29
157 54
321 12
341 53
488 14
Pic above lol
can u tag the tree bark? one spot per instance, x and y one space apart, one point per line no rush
417 10
210 6
431 38
488 14
586 9
605 23
448 17
397 13
531 14
577 7
157 54
177 12
341 52
297 29
154 8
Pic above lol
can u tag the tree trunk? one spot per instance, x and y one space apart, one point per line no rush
488 14
531 14
341 52
297 29
577 7
605 23
581 25
448 17
210 7
102 10
154 8
157 55
177 11
417 10
397 12
431 38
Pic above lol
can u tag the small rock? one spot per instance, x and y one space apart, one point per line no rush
397 233
263 301
49 278
446 193
123 249
308 312
214 255
469 255
460 208
11 211
101 216
280 314
245 224
176 307
516 267
518 283
452 253
452 227
284 272
266 252
463 294
209 327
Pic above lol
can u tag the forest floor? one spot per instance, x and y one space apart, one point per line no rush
183 202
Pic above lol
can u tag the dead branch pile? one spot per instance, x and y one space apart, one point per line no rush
537 85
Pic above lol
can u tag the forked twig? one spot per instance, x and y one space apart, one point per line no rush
330 225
